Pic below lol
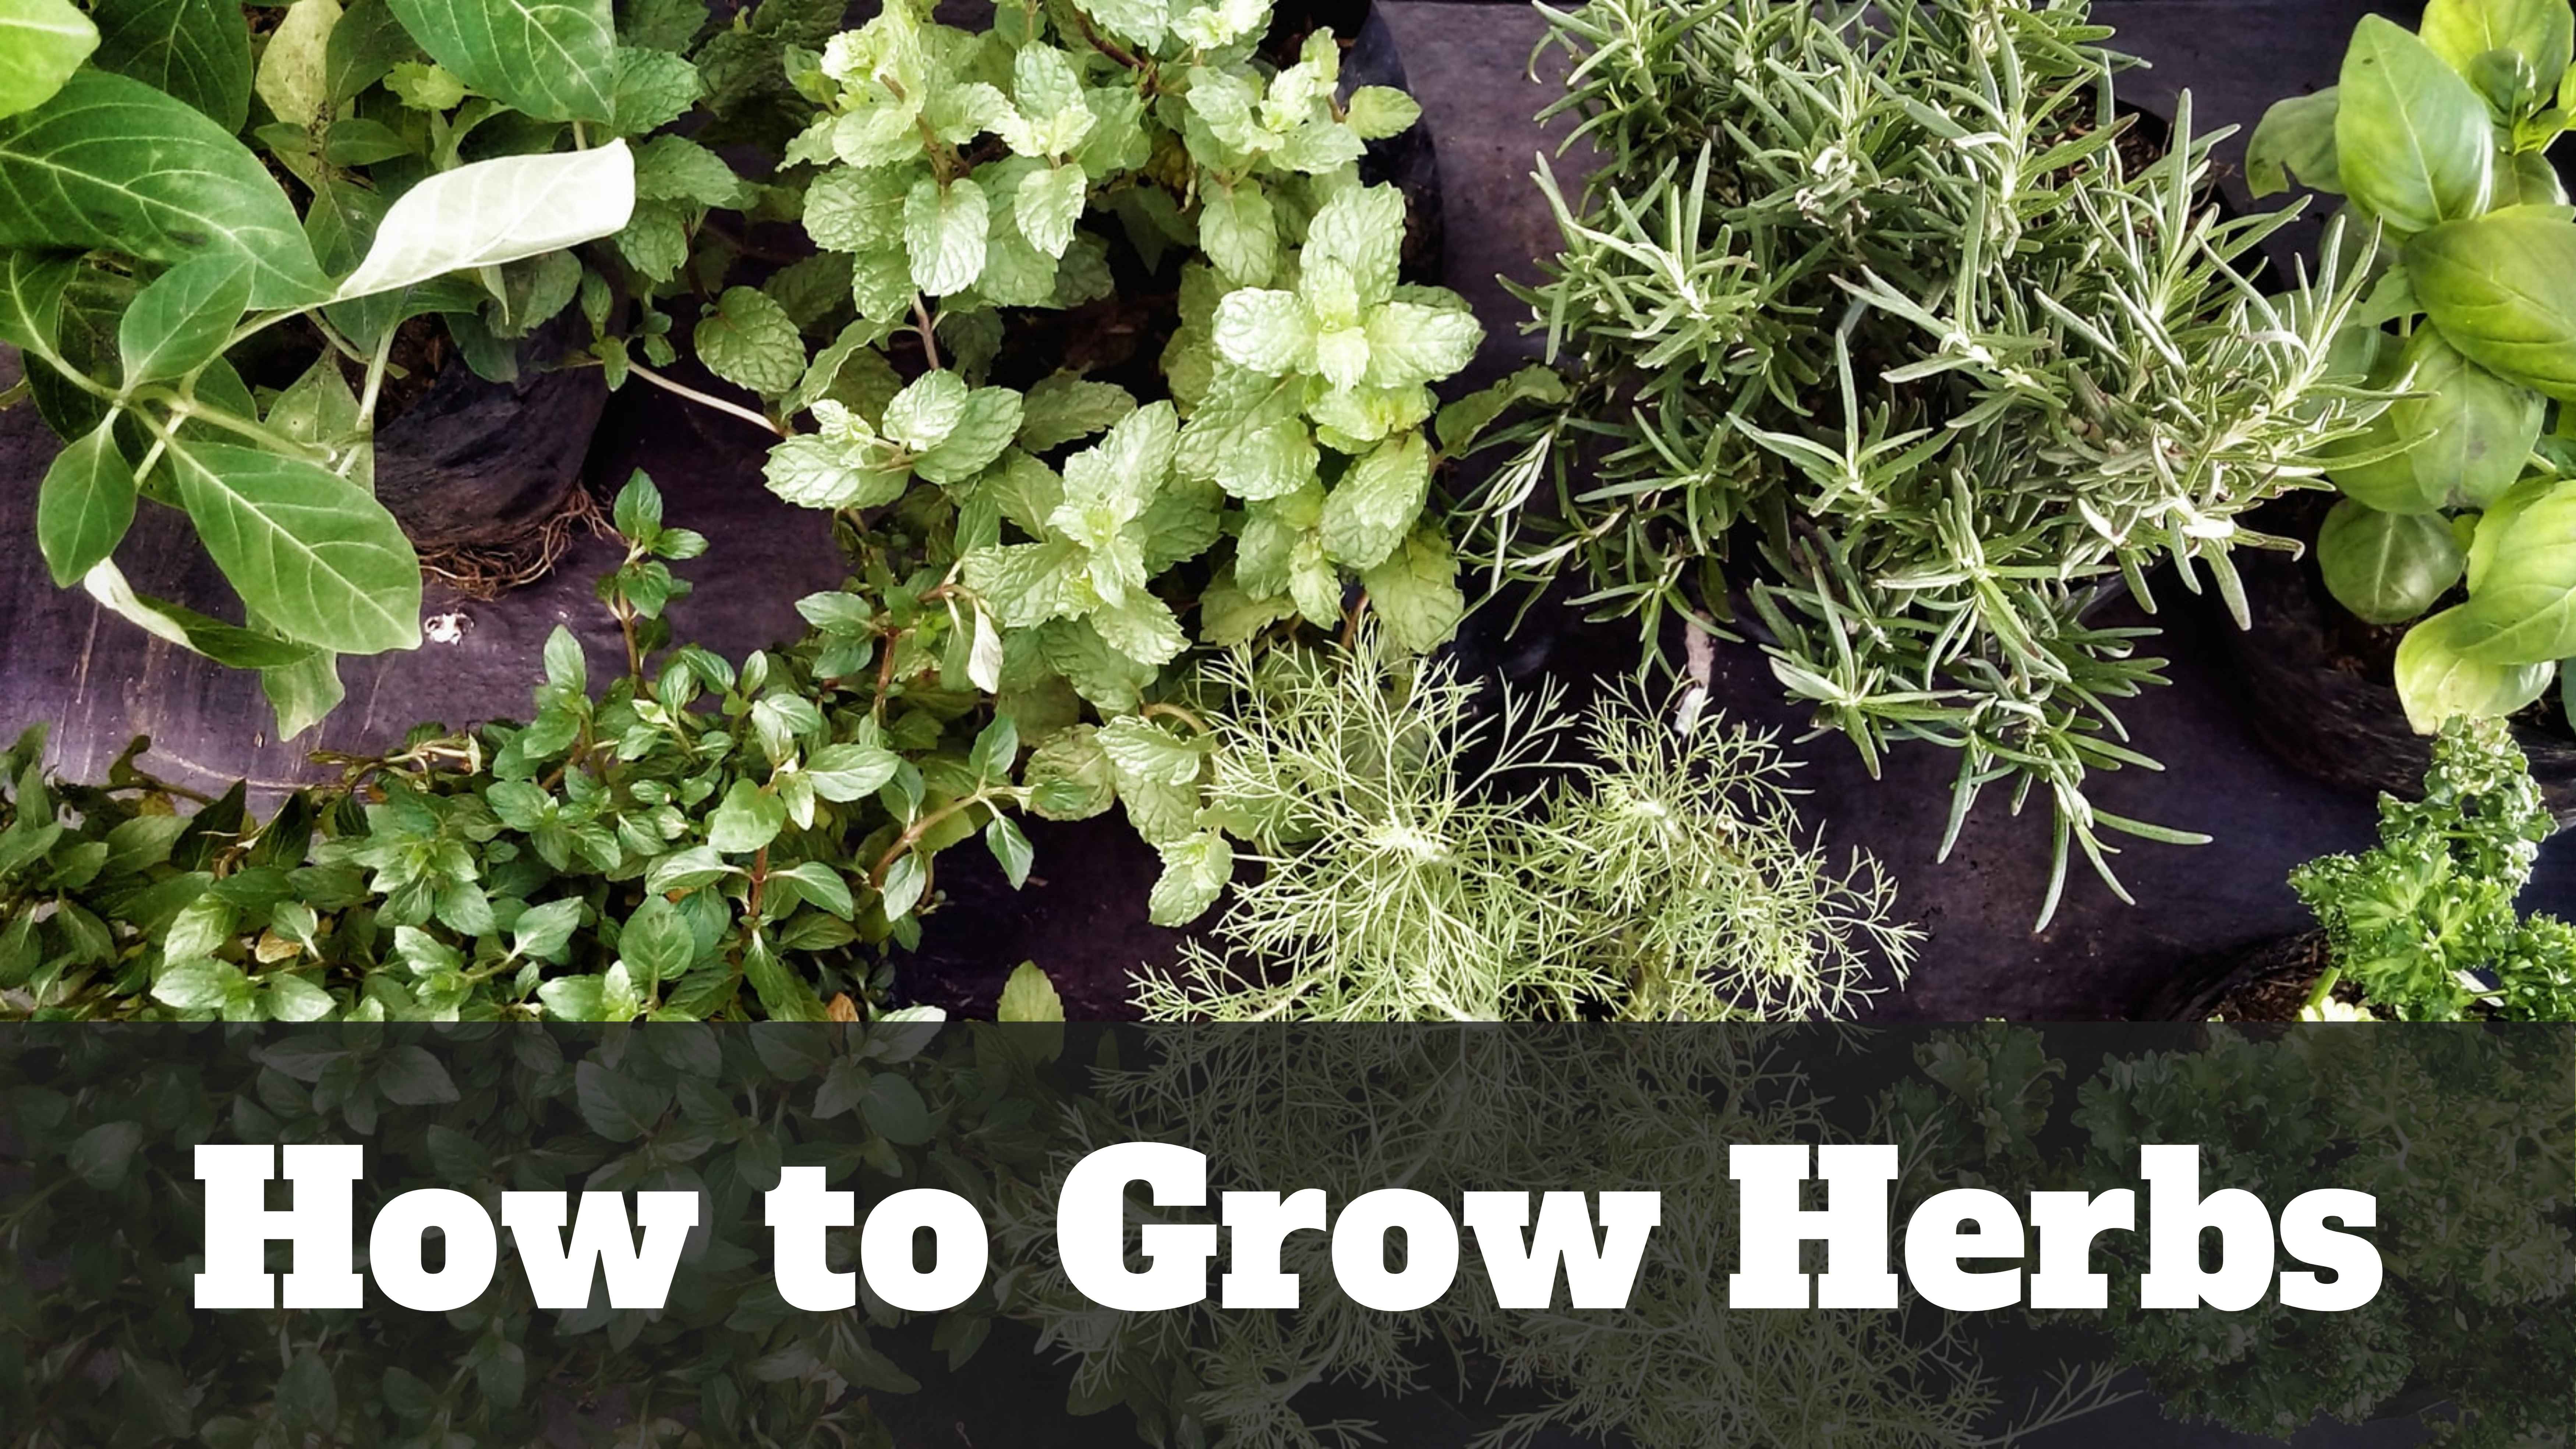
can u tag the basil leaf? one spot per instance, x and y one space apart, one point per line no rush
2542 32
2387 567
318 557
2413 140
111 164
2435 681
2498 289
2474 430
2524 609
554 59
2295 141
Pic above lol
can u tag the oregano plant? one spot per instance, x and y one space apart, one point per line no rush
697 839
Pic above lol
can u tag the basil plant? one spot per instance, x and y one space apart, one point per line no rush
2438 137
177 188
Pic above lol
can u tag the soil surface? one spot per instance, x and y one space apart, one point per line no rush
99 682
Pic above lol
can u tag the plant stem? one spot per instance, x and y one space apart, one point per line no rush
1175 711
1104 45
2324 991
929 333
912 835
704 399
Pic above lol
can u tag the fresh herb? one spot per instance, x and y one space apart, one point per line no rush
1889 338
2424 922
437 161
2439 141
1418 862
1084 159
697 840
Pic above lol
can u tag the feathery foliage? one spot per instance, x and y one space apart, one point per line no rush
1420 861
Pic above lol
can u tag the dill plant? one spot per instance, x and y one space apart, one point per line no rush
1890 351
1420 859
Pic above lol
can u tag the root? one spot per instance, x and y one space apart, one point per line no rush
487 571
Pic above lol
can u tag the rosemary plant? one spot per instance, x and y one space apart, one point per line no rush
1891 337
1421 859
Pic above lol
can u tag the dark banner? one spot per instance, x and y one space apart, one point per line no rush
987 1236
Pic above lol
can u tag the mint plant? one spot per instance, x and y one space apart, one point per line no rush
2438 141
1895 351
699 839
964 185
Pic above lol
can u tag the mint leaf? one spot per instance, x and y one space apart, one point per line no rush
923 415
1377 112
1415 592
1238 233
1064 406
751 342
1411 344
1196 870
1376 503
985 426
1267 332
943 234
1048 204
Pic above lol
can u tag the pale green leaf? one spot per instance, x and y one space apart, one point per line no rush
1377 501
1029 996
943 234
1415 593
317 557
488 212
1196 870
749 340
85 505
291 66
41 43
1048 204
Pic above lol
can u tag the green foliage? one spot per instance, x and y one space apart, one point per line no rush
965 185
1420 863
390 160
2424 922
2461 1136
1888 339
696 840
2440 143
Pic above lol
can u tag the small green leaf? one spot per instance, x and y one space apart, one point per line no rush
1010 848
2541 32
2387 567
85 505
1239 233
657 942
101 1155
2497 288
182 320
1270 333
1029 996
944 234
411 1077
1415 593
1047 205
1196 870
318 558
2435 681
893 1107
843 773
542 932
1369 512
2295 143
905 880
749 340
748 819
1377 112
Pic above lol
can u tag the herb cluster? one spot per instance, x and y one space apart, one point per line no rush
1895 351
697 840
2439 142
2424 922
1421 860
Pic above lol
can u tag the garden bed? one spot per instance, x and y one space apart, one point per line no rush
1081 914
